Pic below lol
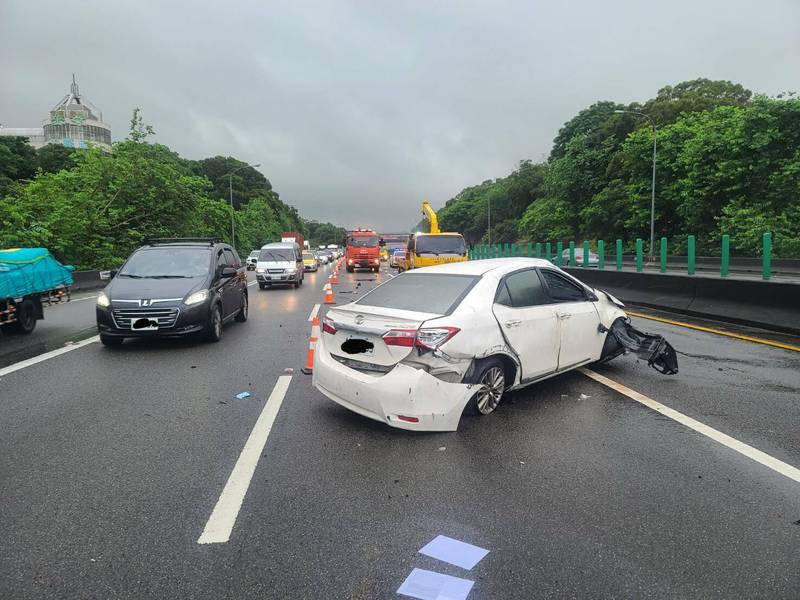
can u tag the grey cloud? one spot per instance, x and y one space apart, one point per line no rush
359 110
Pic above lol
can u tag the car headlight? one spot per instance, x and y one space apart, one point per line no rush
262 271
102 300
196 297
291 269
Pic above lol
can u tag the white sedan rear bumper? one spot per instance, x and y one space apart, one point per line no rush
404 391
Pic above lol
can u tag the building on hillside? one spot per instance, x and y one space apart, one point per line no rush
74 123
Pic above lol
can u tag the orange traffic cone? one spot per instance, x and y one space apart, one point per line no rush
329 294
312 345
335 278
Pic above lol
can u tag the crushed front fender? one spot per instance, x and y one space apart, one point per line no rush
653 348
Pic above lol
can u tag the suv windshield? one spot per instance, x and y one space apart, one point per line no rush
167 262
429 293
363 241
276 255
440 244
253 254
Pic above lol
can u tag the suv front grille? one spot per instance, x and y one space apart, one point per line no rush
166 317
275 271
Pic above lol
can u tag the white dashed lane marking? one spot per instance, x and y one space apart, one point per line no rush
752 453
223 517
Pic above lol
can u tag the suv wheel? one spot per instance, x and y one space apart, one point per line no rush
241 316
214 325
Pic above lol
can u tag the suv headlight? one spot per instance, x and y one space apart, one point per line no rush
196 297
291 270
260 271
102 300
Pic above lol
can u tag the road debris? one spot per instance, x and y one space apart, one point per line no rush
441 448
583 397
242 395
455 552
428 585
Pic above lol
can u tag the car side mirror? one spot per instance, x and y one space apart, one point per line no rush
107 275
228 272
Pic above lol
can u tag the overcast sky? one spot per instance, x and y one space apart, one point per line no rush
359 110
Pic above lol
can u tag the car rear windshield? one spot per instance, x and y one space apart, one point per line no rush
167 261
276 255
421 292
440 244
307 256
363 241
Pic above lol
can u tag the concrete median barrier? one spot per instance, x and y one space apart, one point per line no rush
86 280
772 305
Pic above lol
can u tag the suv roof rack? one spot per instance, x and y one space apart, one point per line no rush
184 240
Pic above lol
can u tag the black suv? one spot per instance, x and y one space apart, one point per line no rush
173 287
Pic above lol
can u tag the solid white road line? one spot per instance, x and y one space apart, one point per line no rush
313 313
726 440
251 283
47 355
77 300
223 517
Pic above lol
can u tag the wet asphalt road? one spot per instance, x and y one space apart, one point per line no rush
111 461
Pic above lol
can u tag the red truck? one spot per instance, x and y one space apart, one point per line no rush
294 236
362 250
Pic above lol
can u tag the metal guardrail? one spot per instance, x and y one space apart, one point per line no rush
724 263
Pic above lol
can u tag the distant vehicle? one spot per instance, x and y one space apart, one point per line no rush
337 253
325 256
252 259
384 254
594 259
296 237
29 278
417 350
173 287
280 263
310 261
396 258
362 250
434 248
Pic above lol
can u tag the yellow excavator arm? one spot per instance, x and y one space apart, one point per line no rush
431 216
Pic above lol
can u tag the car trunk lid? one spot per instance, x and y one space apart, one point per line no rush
360 334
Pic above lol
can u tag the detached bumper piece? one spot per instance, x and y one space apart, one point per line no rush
653 348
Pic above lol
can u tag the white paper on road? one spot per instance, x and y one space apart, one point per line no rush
428 585
460 554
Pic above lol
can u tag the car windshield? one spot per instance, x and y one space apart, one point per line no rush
363 241
308 256
167 262
421 292
276 255
440 244
254 253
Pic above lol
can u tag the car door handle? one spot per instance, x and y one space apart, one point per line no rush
513 323
564 316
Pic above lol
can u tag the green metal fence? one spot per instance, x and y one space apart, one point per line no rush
582 256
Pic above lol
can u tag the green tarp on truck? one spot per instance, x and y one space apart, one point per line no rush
31 271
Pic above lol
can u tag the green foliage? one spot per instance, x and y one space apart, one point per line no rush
247 181
53 158
17 162
728 162
323 233
92 208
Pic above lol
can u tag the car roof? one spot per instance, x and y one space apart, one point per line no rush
279 245
501 266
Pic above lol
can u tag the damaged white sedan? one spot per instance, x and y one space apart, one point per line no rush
418 350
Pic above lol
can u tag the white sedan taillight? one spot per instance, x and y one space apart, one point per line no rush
428 338
328 326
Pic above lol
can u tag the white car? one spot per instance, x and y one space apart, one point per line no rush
417 350
252 260
594 259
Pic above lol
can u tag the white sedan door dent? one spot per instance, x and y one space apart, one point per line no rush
533 333
581 340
